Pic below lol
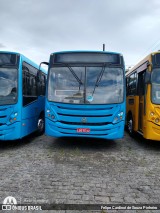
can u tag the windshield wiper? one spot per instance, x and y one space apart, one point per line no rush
75 75
99 78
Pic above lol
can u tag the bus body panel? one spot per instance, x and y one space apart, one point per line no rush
98 119
11 132
30 115
10 129
132 103
112 132
151 129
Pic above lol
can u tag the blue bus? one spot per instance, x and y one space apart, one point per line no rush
22 96
85 95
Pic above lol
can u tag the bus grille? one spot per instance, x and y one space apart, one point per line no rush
85 124
3 116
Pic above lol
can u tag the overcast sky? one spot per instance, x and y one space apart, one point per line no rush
36 28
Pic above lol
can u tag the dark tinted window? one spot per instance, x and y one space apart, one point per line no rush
141 83
131 84
42 84
29 84
157 59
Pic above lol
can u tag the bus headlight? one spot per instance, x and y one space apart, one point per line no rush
118 117
152 113
13 117
157 120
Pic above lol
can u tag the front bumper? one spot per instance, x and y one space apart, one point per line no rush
110 131
11 132
152 131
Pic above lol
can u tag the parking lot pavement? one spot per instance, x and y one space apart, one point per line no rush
80 171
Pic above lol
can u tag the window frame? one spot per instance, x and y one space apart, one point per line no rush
32 74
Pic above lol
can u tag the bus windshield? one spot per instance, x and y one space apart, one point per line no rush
86 84
155 80
8 86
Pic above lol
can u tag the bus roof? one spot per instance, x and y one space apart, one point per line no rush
24 58
85 51
147 58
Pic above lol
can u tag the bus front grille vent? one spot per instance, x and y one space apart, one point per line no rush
85 124
3 116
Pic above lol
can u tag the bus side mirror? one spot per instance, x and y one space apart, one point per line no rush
38 78
147 79
39 70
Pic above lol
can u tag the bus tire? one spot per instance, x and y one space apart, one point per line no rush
40 125
130 125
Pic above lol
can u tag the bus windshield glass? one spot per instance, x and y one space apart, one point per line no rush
155 79
8 59
86 84
8 86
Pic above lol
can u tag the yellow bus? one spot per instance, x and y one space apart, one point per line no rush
143 97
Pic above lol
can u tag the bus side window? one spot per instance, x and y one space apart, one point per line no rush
29 85
131 84
25 80
33 86
141 84
42 86
126 86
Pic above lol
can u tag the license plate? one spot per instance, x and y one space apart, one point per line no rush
83 130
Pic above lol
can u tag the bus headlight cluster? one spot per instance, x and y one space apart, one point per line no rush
153 117
13 117
50 114
118 117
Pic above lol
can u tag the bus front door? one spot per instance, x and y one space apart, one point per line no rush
141 92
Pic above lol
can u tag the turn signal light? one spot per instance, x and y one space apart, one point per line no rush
157 120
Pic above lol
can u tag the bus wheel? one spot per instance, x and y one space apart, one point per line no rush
130 125
40 125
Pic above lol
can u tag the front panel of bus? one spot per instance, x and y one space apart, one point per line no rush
152 124
10 112
85 95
